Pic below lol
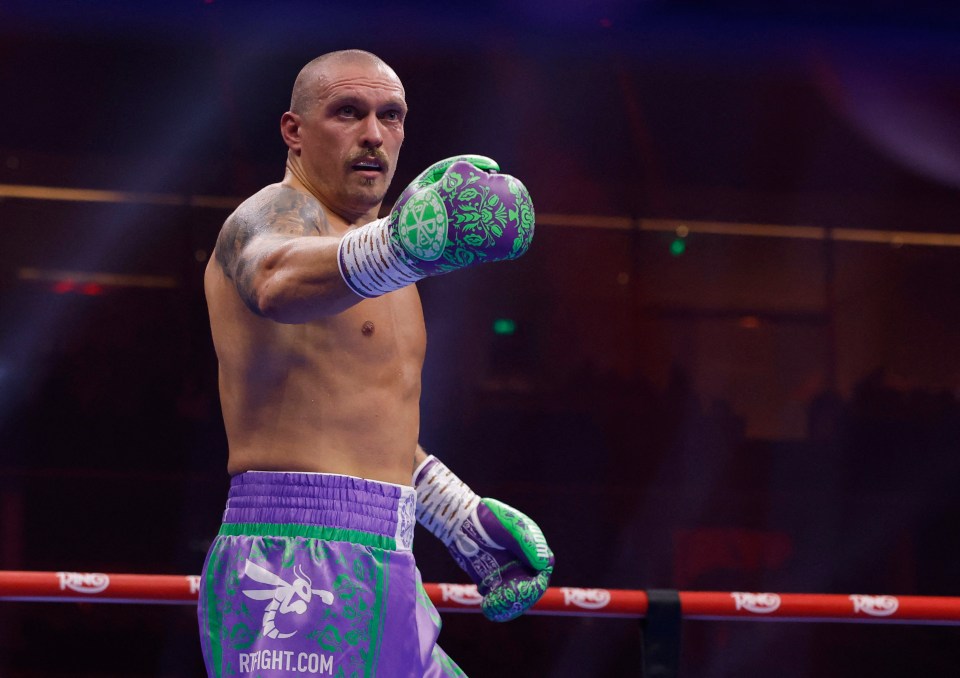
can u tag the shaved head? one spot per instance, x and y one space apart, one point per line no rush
344 130
315 73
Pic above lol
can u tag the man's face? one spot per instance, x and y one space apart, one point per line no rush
351 134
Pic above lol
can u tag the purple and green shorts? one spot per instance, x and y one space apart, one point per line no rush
312 574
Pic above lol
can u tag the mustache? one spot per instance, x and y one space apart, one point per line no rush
374 153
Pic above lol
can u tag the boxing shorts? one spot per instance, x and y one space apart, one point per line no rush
312 574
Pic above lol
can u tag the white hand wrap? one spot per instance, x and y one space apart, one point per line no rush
443 500
367 263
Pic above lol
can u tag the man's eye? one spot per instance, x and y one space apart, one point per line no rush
392 116
348 111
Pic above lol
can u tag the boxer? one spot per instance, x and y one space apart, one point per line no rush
320 340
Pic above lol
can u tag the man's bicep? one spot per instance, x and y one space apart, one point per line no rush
237 251
231 243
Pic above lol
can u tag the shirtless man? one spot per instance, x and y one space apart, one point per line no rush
320 338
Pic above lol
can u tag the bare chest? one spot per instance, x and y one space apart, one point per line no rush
376 330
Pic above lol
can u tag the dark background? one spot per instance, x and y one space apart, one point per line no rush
759 413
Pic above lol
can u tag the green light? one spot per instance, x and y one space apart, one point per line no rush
504 326
678 247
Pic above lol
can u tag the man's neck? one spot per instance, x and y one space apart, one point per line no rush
295 177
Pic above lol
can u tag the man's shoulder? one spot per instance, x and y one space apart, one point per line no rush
281 190
277 207
272 195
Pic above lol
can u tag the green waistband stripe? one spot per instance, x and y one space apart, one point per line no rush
309 532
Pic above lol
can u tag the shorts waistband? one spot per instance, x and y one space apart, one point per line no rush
322 500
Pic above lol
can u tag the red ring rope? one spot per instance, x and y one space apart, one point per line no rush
182 589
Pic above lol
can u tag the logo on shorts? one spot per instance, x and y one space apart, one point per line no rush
284 598
758 603
875 606
588 599
83 582
423 225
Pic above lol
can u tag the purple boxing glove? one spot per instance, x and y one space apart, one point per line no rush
456 213
502 550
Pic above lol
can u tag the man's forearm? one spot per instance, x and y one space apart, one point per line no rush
503 551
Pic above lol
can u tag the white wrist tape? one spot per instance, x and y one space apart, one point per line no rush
367 263
443 501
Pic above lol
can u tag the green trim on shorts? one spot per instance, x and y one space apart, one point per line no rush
447 665
308 532
381 579
214 615
423 600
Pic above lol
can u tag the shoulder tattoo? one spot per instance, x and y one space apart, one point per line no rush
276 213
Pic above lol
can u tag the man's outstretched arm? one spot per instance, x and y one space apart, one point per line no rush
280 253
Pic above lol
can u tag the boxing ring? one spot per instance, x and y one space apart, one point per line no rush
658 611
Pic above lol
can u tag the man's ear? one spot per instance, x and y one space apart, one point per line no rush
290 131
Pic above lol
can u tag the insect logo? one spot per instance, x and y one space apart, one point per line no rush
285 598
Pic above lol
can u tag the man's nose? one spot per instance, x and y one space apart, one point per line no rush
371 134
